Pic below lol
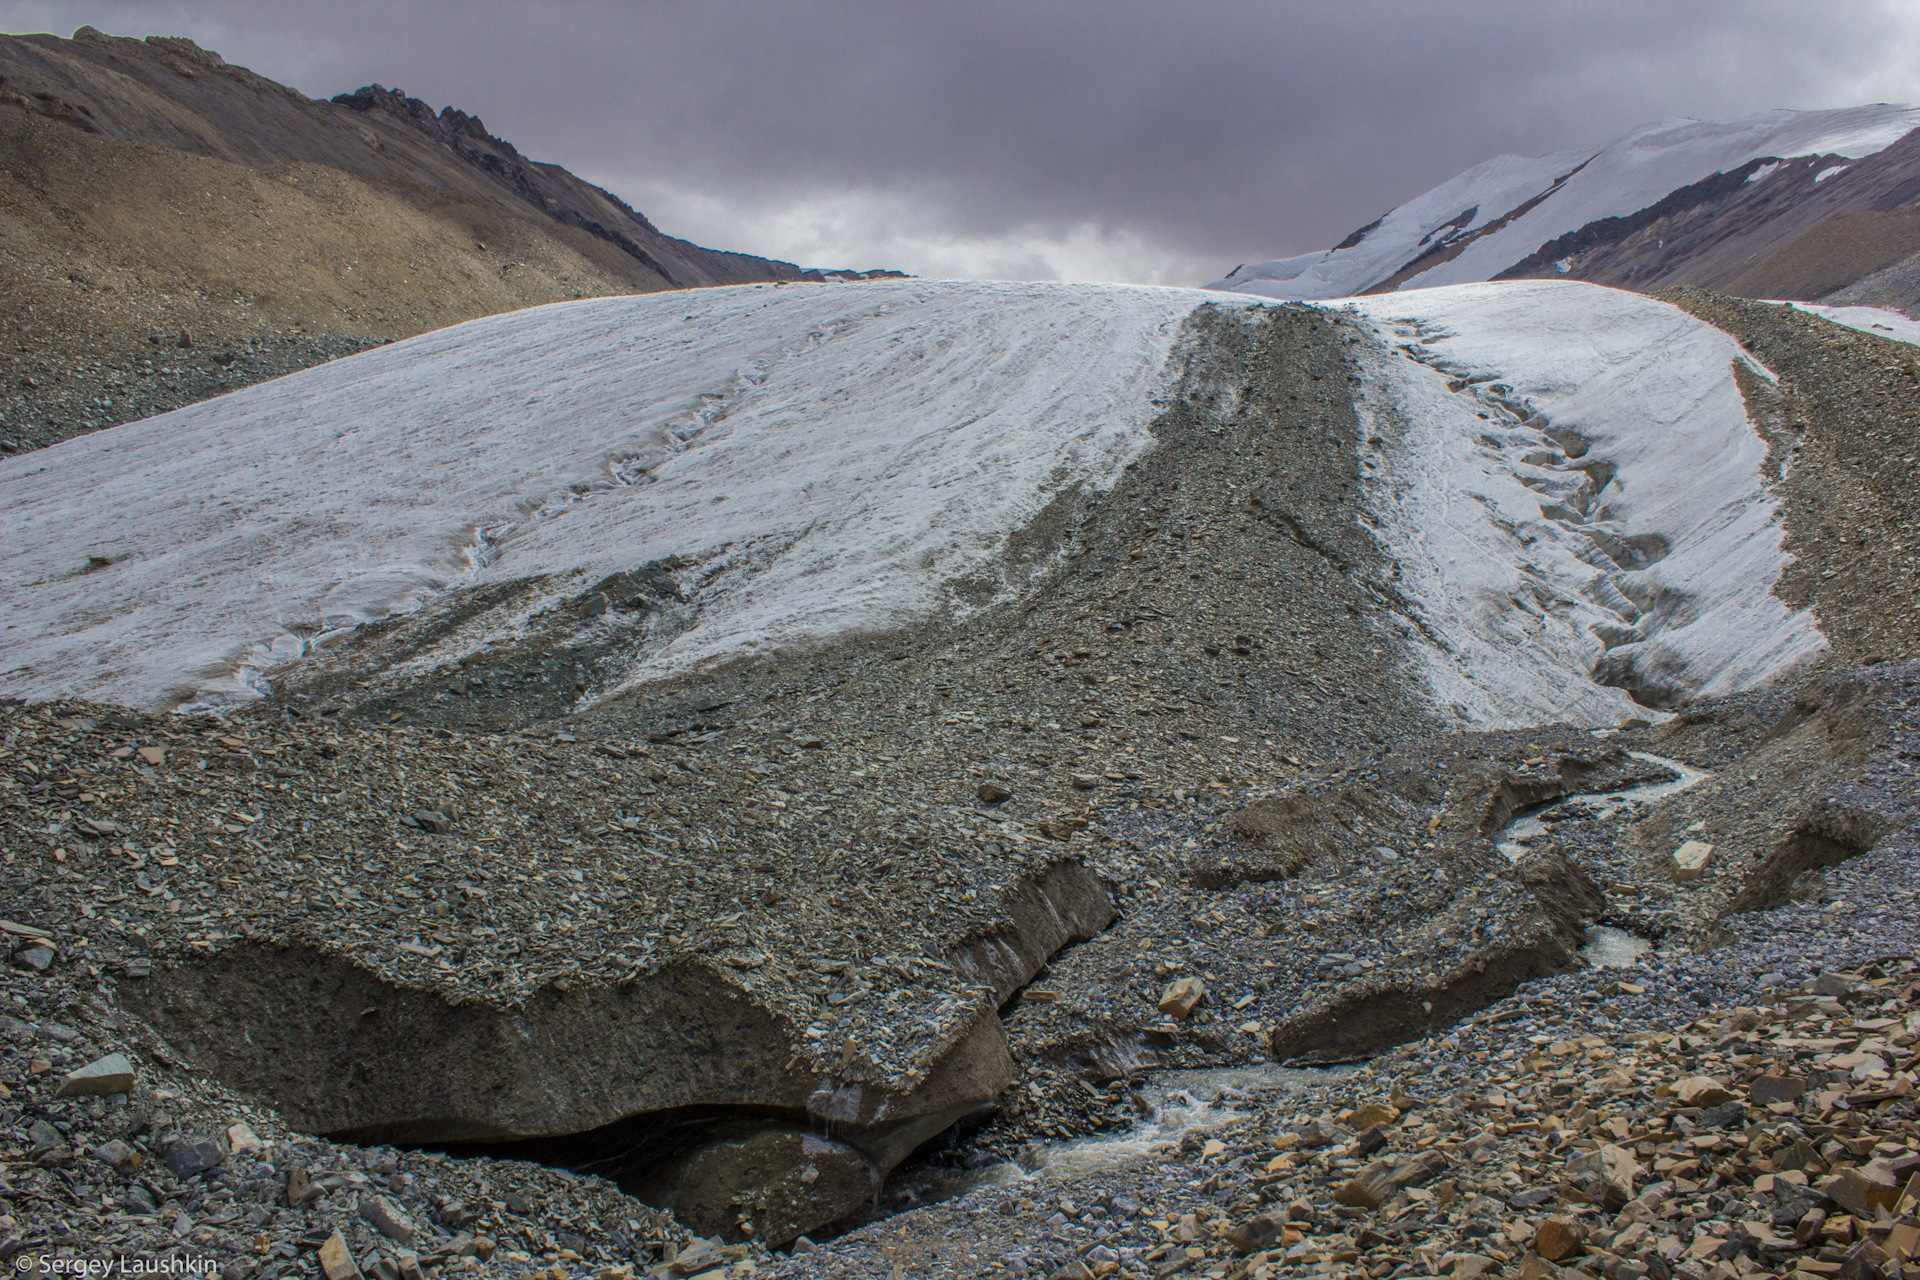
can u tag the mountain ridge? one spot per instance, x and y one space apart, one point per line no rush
178 227
1706 203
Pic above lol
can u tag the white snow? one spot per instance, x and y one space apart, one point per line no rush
1878 321
1505 557
834 457
840 451
1621 178
1828 172
1492 188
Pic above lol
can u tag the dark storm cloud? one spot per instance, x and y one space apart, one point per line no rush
1192 134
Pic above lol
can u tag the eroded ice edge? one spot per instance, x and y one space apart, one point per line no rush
1568 481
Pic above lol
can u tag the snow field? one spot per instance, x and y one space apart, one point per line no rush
1568 476
1564 475
857 445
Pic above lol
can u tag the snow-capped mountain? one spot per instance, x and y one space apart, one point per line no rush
1528 215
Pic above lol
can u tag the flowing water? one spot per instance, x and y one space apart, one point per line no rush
1176 1104
1516 838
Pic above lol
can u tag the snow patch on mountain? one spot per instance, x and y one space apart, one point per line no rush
1881 322
859 445
1568 481
1482 216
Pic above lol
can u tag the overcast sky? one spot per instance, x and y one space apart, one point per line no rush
1074 139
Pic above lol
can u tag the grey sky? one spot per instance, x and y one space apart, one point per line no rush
1084 139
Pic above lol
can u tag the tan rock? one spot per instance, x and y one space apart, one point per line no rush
111 1074
1701 1091
992 793
1691 860
1863 1190
1766 1089
1608 1174
1255 1234
1557 1237
1372 1114
335 1262
389 1219
1182 995
1469 1266
1535 1267
1359 1193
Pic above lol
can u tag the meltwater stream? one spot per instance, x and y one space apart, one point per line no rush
1605 947
1515 839
1176 1104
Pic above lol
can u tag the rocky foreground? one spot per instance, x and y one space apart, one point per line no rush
155 1111
1691 1116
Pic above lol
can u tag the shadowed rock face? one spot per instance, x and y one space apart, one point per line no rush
341 1051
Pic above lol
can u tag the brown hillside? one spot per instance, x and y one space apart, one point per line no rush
150 189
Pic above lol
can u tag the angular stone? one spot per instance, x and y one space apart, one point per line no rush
1376 1184
44 1136
1770 1089
241 1137
335 1262
386 1217
992 793
1359 1193
38 958
1863 1190
1690 861
111 1074
1372 1114
155 756
1613 1169
117 1154
1868 1261
1535 1267
1557 1237
301 1189
701 1255
1255 1234
195 1158
1182 995
1701 1091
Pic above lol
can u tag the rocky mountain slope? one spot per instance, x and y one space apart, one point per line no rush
177 226
1802 205
818 722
